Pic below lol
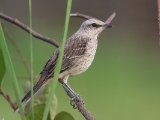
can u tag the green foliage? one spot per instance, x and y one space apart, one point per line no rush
39 102
31 57
38 113
11 70
2 62
59 62
2 66
63 116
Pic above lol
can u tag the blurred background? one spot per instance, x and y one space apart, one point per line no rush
123 82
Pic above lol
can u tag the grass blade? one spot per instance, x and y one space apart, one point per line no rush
12 71
59 62
2 67
31 59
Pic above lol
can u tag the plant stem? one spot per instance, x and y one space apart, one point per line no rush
12 71
31 59
59 62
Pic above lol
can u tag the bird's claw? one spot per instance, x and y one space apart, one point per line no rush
75 100
73 103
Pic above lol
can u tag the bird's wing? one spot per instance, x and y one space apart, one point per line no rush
74 48
45 75
50 66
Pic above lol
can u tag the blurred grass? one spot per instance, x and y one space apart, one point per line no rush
12 71
59 61
31 60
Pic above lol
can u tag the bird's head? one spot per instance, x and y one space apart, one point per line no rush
93 27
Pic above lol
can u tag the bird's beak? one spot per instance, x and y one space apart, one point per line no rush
106 25
109 20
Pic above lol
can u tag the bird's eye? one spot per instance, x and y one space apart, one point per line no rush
94 25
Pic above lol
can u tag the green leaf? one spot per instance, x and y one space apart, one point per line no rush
2 66
63 116
38 113
40 99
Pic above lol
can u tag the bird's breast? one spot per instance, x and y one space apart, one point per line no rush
83 63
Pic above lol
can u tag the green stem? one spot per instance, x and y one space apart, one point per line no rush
31 59
12 71
59 62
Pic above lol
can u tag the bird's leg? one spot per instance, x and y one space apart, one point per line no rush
73 95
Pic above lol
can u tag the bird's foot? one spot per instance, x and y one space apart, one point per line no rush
77 99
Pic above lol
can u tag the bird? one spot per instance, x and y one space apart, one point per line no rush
79 53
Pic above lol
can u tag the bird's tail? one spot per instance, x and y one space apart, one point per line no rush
36 88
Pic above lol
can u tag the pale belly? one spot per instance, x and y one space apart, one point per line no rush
83 63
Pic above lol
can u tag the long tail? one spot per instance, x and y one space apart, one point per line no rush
36 88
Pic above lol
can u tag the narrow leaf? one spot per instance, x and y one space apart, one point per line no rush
2 66
12 71
38 113
31 56
59 62
40 99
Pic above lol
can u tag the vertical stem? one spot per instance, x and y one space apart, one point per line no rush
12 71
158 5
59 62
31 58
